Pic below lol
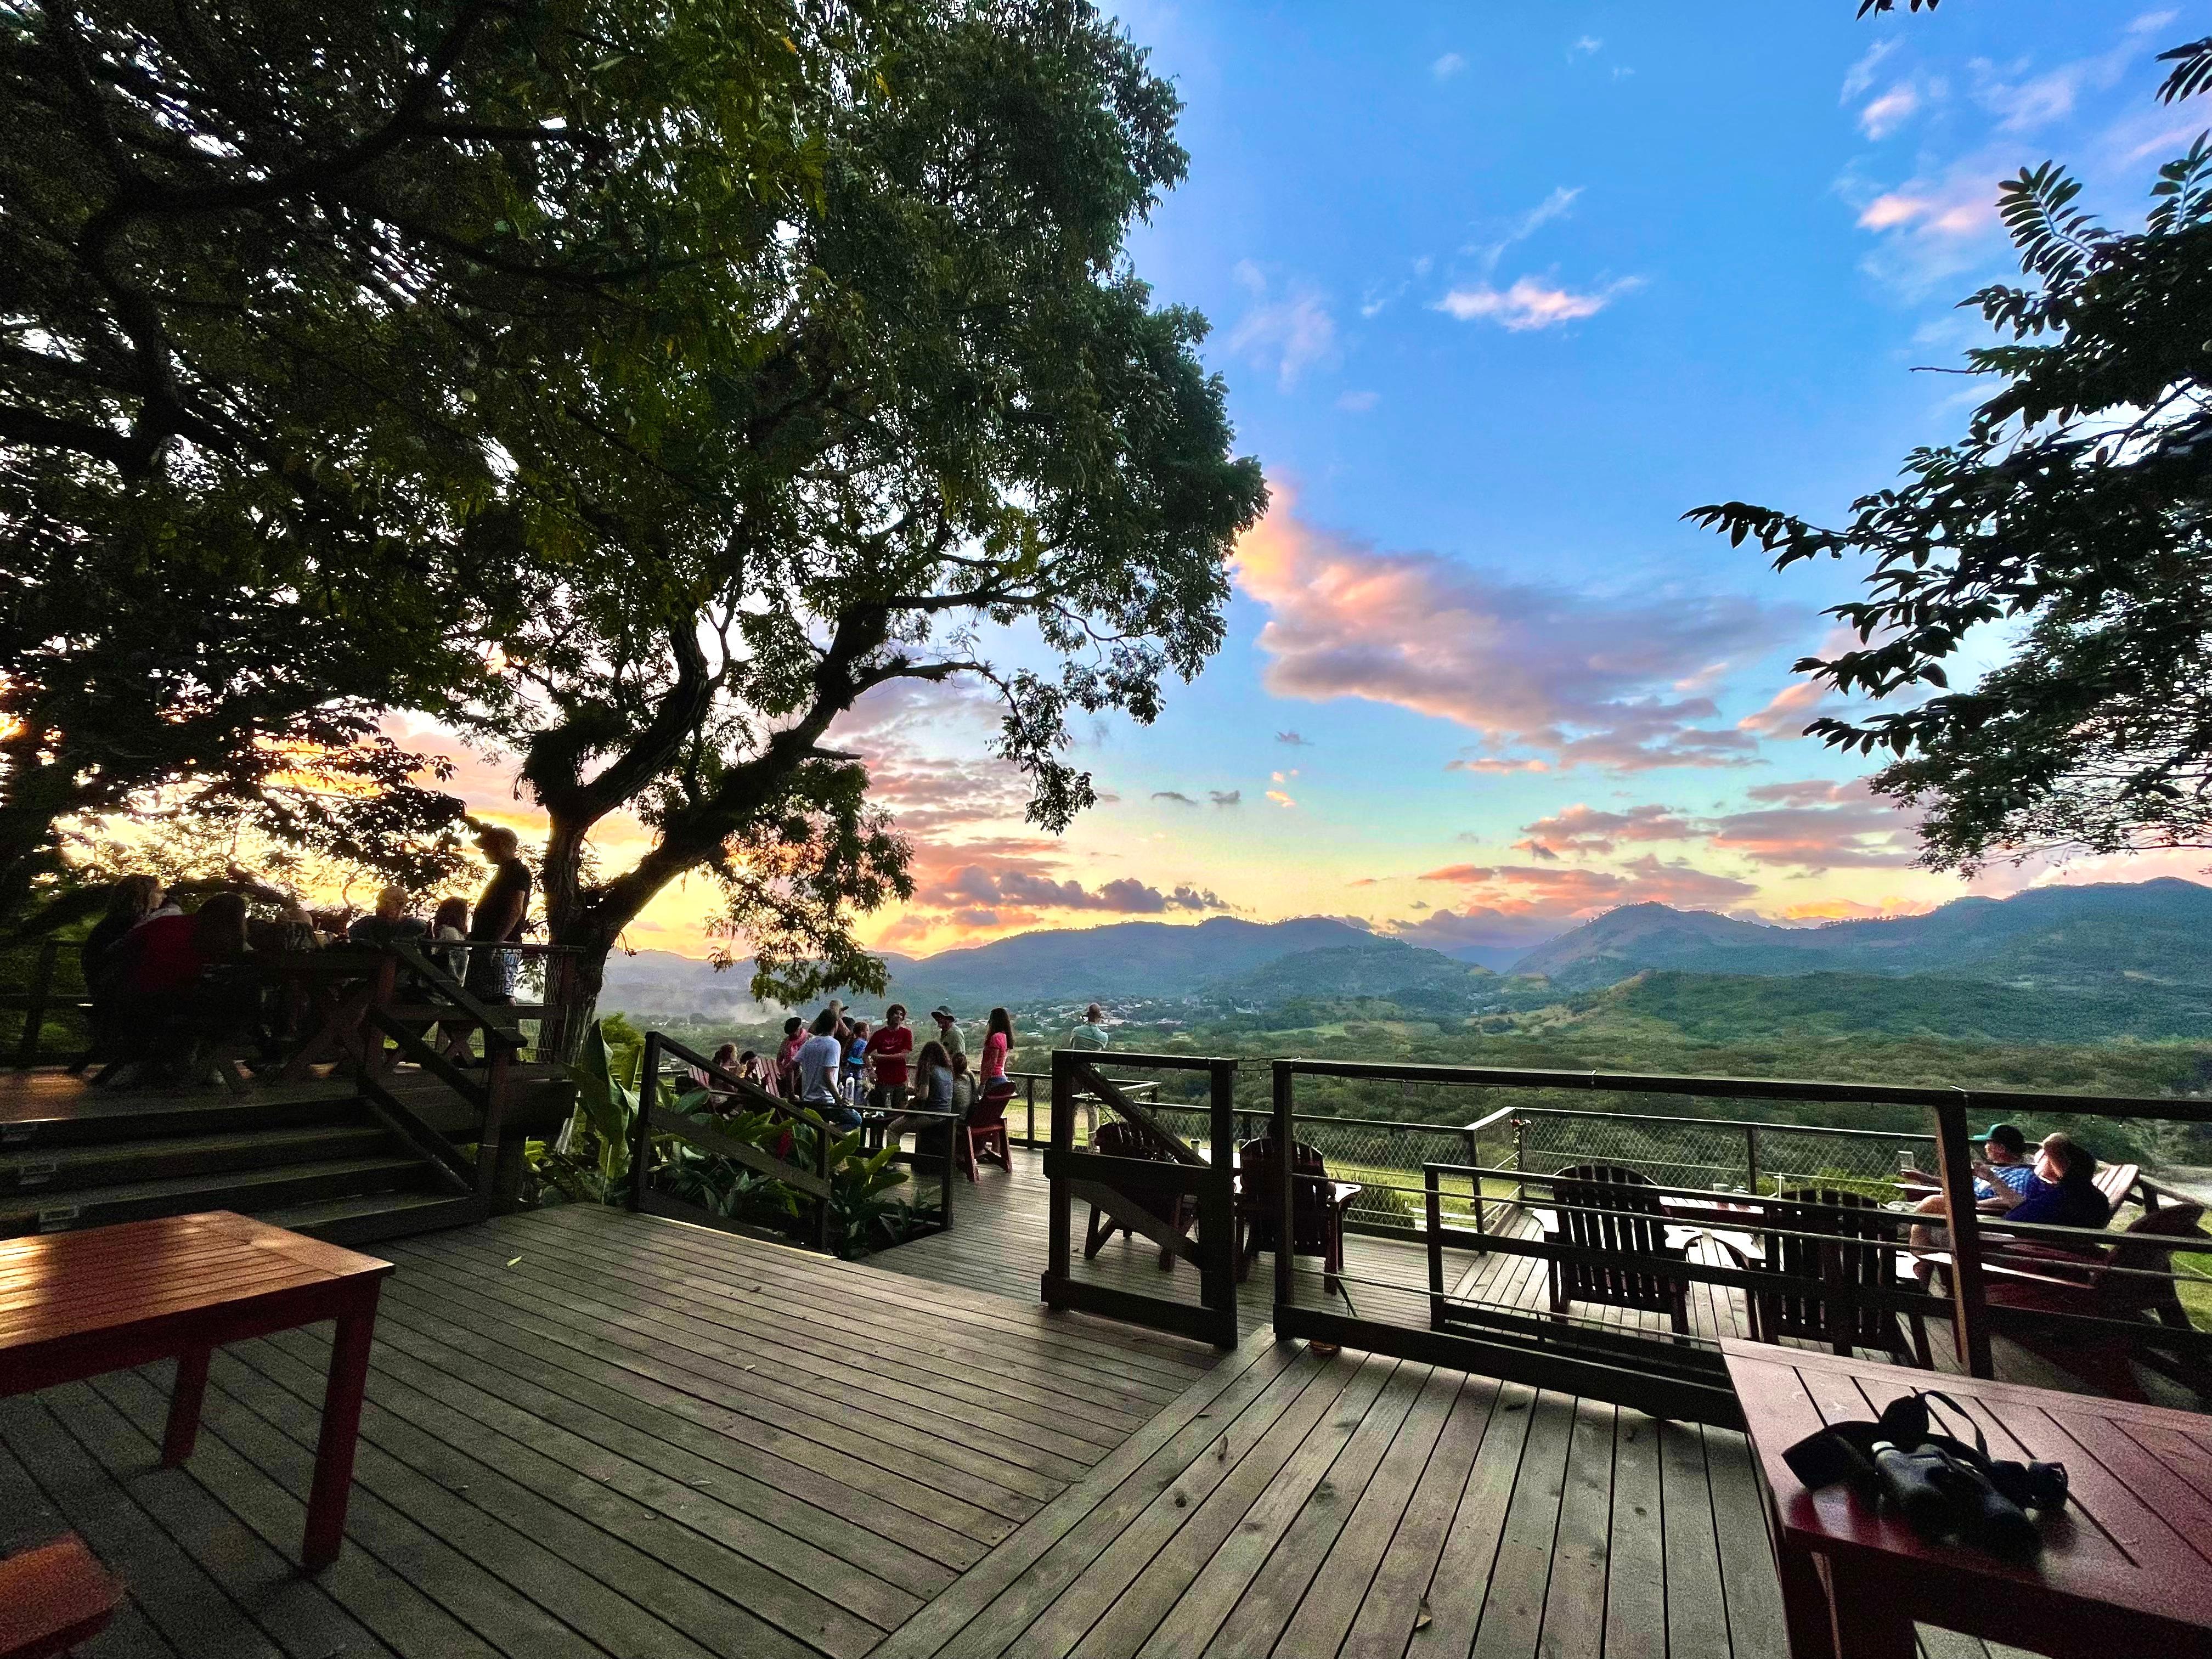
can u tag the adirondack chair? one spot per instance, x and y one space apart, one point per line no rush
1117 1138
1864 1255
985 1133
1632 1223
53 1599
1317 1205
2039 1278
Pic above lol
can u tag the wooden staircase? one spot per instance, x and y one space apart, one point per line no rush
316 1157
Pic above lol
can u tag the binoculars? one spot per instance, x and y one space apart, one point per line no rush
1943 1495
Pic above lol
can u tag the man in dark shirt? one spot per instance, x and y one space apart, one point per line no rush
501 911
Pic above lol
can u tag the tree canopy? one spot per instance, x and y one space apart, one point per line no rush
283 294
631 388
2076 511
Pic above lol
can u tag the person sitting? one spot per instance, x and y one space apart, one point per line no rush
752 1069
2064 1193
933 1093
129 901
177 982
389 922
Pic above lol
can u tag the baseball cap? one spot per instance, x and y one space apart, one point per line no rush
941 1011
2007 1135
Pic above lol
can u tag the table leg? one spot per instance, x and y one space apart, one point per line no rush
1865 1618
334 1450
1804 1605
184 1397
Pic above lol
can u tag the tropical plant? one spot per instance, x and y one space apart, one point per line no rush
2077 510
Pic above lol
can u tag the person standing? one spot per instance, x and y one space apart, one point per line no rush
786 1057
997 1049
821 1057
887 1059
501 909
955 1044
856 1063
1089 1032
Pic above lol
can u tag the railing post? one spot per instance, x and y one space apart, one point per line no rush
34 1005
1060 1206
1029 1139
1751 1160
1521 1160
1285 1138
1472 1139
640 1131
945 1181
822 1170
1218 1210
1434 1194
1970 1325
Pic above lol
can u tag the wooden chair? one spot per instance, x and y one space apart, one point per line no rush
1117 1138
53 1599
1860 1251
984 1134
1317 1205
2043 1278
1608 1208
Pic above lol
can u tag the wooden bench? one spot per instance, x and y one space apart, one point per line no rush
53 1598
74 1305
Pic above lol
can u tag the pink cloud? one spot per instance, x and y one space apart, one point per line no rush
1507 905
1582 681
1816 826
1583 829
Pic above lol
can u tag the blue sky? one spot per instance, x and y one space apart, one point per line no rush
1499 293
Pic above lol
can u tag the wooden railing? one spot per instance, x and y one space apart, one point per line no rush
1671 1373
805 1165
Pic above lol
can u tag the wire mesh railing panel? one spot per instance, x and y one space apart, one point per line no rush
1731 1157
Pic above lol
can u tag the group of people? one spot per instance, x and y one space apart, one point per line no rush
842 1066
171 969
2055 1184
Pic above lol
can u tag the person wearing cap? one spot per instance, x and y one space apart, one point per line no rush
955 1050
2004 1162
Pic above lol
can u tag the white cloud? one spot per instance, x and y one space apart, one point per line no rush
1860 75
1556 206
1891 111
1286 336
1358 402
1587 46
1449 64
1529 304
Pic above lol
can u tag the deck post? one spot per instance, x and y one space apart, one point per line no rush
1970 1325
641 1128
1218 1208
1751 1160
1285 1138
34 1005
822 1132
1432 1193
1059 1211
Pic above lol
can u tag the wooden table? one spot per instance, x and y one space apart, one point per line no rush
2126 1567
74 1305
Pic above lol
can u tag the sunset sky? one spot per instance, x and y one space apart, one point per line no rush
1499 292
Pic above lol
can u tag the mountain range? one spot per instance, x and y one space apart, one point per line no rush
2155 937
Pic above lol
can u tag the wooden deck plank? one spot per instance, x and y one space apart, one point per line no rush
1215 1591
1752 1595
1501 1560
1574 1603
1266 1607
1696 1610
1396 1598
1324 1616
591 1527
1194 1525
1193 1419
1636 1563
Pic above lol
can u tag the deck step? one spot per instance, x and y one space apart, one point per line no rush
34 1171
96 1118
250 1191
365 1218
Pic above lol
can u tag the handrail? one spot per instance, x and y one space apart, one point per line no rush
1709 1122
2179 1108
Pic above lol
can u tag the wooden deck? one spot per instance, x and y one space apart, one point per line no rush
590 1433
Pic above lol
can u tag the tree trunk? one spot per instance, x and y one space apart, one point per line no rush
572 920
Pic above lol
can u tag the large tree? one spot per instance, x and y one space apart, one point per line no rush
946 423
285 292
2077 511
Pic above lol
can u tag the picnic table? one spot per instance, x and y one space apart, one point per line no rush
77 1305
2124 1568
